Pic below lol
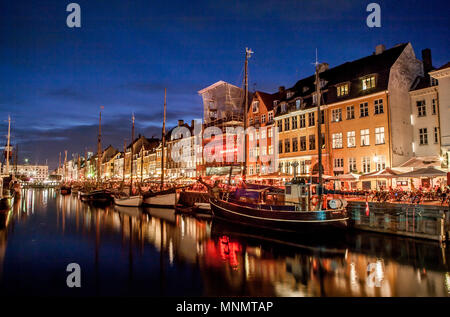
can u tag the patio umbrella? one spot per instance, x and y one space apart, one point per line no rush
346 177
424 172
385 173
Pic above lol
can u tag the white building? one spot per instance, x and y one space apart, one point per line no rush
442 75
37 173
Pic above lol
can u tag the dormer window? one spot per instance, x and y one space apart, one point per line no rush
314 97
368 82
255 106
275 103
283 107
298 103
289 94
342 90
212 105
305 89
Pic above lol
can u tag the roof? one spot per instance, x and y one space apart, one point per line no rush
447 65
267 98
424 172
351 73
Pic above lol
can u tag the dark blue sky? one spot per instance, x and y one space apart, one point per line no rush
54 79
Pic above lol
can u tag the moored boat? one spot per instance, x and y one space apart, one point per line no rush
99 195
163 199
123 199
294 210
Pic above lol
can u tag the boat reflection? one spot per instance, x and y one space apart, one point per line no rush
159 252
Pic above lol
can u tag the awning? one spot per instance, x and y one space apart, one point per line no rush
385 173
422 162
346 177
423 172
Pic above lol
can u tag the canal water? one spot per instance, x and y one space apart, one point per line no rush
154 252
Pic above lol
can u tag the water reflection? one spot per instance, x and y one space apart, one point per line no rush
130 251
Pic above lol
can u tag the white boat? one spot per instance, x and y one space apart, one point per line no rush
131 201
165 198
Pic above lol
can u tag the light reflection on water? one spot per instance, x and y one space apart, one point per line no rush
128 251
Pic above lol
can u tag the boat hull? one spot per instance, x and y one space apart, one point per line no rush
133 201
5 203
164 200
293 221
96 196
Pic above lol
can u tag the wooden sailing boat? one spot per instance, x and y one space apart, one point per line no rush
122 198
97 195
162 198
289 210
5 194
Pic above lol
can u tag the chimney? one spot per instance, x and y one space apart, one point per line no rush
281 89
426 60
180 123
379 49
192 123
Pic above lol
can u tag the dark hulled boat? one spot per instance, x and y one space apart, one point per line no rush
99 196
294 210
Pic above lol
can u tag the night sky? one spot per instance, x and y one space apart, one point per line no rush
54 79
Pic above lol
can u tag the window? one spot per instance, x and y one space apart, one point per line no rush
250 121
302 120
364 109
421 108
298 104
365 137
263 118
336 115
280 125
255 106
270 116
311 119
294 122
314 97
380 162
256 119
365 164
351 164
433 106
337 140
275 103
283 107
269 132
379 135
368 82
423 136
323 140
287 146
251 170
322 116
436 135
256 134
280 146
270 150
351 139
338 162
286 124
312 142
378 104
250 137
350 112
342 90
303 143
212 106
433 81
294 144
289 94
263 133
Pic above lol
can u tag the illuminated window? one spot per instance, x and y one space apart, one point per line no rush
342 90
351 139
255 106
351 164
338 162
379 135
365 137
365 164
337 140
263 118
350 112
298 104
336 115
270 116
368 82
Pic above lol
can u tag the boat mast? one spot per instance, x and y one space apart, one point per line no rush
319 132
99 146
248 53
163 139
123 165
132 154
7 145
